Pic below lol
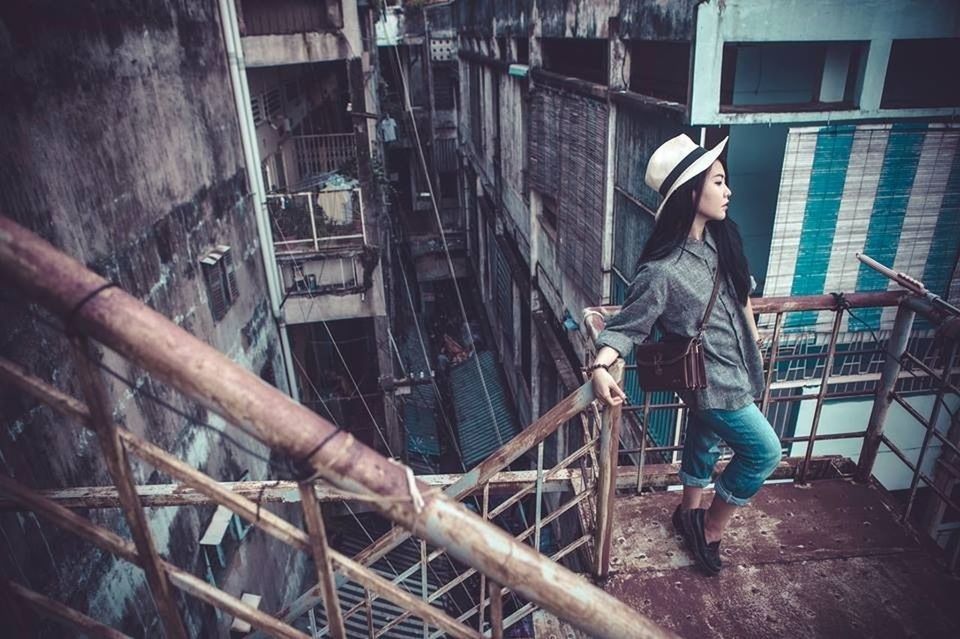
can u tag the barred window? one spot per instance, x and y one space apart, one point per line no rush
220 275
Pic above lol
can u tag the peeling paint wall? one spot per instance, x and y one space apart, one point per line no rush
122 148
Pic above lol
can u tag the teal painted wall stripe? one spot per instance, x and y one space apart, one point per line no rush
945 245
828 174
889 208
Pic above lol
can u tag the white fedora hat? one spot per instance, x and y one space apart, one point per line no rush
677 161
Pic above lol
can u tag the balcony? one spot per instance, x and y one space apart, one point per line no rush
297 31
516 541
320 154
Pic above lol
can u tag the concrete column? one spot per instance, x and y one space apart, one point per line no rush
874 74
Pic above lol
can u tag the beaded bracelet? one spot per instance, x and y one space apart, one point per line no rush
590 369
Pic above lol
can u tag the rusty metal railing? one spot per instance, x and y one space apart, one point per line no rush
884 372
94 310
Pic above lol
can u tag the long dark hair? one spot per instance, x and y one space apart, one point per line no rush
673 228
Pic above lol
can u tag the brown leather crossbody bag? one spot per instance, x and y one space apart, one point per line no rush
676 364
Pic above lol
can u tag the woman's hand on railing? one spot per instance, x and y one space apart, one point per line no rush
605 388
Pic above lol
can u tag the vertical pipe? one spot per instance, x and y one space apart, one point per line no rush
241 94
896 347
496 610
368 606
313 223
606 492
772 363
424 591
321 558
117 463
643 439
539 506
951 352
827 368
483 577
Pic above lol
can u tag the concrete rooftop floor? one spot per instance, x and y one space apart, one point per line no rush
828 559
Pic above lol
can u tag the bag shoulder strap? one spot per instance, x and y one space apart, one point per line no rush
713 298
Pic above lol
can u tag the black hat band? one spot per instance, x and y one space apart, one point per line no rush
681 166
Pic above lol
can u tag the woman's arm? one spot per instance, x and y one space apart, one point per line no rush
751 322
645 302
604 386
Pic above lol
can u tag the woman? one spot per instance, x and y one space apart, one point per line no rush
693 237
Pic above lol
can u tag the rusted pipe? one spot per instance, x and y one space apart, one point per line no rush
76 619
175 357
896 347
607 488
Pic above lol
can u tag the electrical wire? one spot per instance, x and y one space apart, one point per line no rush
443 237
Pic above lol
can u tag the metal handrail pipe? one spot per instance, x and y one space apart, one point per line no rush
896 347
121 322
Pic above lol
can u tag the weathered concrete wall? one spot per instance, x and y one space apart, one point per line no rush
639 19
121 146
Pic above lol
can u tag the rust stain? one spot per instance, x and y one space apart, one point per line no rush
822 561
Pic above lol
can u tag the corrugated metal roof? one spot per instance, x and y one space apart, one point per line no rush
476 435
419 417
384 611
420 422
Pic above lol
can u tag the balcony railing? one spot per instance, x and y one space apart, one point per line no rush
318 154
311 222
882 371
173 356
490 524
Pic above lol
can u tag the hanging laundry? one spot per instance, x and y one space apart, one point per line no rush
388 129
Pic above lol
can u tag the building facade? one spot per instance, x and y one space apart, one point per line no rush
838 144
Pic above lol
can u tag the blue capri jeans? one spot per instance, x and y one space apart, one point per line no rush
755 446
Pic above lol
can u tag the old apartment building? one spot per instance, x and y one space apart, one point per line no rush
838 145
389 217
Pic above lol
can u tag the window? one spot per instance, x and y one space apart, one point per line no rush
221 278
523 50
549 217
916 76
577 57
791 76
444 86
660 69
503 54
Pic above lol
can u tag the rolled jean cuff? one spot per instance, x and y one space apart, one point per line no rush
727 496
690 480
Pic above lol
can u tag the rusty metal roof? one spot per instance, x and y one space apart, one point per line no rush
828 559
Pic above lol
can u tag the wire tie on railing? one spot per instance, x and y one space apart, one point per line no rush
306 473
72 315
415 497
